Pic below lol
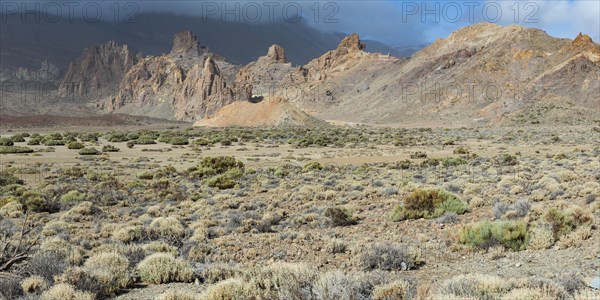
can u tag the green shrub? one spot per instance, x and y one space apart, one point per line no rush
8 179
563 222
453 161
35 202
179 140
110 148
221 181
313 166
202 172
89 151
14 150
145 175
220 164
486 234
117 137
53 136
428 204
34 141
17 138
202 142
164 268
54 143
75 145
89 137
145 141
72 197
6 142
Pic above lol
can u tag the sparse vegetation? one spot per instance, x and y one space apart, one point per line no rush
428 204
102 225
512 235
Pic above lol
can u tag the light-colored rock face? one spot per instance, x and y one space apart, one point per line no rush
47 72
189 85
482 71
186 43
276 54
95 74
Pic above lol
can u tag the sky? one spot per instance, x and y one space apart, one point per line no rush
394 22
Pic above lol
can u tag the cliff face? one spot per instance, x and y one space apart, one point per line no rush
188 84
96 73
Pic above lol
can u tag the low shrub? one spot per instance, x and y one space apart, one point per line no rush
220 164
54 143
6 142
339 217
397 290
63 291
168 229
340 285
145 175
111 270
15 150
485 234
12 209
89 151
386 256
129 234
34 142
110 148
164 268
34 284
7 178
179 140
222 182
428 204
506 160
563 222
313 166
75 145
72 197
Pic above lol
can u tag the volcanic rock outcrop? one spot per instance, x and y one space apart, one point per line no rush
186 43
97 72
188 84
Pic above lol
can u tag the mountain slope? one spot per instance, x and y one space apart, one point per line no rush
484 72
268 112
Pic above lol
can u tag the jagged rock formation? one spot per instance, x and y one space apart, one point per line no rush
47 72
483 72
188 84
96 73
276 54
269 112
267 74
186 43
348 53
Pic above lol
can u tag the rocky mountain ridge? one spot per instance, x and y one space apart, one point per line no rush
481 73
